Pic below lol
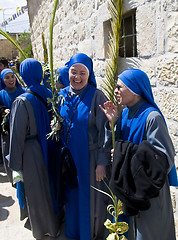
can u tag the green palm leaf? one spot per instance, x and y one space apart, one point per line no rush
57 119
45 51
51 45
115 8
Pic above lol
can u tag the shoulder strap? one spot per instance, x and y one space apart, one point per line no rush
38 96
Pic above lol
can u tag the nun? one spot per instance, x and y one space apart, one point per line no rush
142 120
31 154
11 89
83 135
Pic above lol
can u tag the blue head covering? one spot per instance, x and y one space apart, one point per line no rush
63 73
31 71
3 74
85 60
138 82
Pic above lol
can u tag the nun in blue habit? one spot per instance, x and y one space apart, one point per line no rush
63 79
31 154
141 120
83 135
10 90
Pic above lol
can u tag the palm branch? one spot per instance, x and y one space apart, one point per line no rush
51 45
45 51
57 119
115 8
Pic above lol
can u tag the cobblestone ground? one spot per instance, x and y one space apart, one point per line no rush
11 228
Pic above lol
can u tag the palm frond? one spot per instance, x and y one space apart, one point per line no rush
115 8
51 45
45 51
57 119
6 35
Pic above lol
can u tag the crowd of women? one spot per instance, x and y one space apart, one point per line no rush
54 179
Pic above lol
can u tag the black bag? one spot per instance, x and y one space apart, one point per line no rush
69 171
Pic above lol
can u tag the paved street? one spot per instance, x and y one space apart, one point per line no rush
11 228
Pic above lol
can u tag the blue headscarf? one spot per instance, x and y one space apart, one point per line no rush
7 97
138 82
31 72
85 60
63 73
3 74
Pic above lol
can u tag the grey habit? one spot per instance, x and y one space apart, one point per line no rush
158 221
26 155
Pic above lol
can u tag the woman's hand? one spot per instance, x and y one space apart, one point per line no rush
110 111
100 172
6 111
55 126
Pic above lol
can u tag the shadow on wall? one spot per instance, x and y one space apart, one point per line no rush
127 63
128 5
33 8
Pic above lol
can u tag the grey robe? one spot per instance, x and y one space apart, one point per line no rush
158 221
26 154
98 155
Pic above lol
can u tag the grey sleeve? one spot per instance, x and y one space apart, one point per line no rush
18 131
96 124
157 134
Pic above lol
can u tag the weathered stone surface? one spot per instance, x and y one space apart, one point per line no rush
167 69
172 32
168 102
146 39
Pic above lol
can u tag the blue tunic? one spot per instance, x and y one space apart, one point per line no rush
78 199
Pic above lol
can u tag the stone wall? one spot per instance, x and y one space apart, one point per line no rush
7 49
79 27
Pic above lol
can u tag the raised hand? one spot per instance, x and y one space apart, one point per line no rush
110 111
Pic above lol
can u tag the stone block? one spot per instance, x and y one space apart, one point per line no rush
145 26
172 32
168 102
167 69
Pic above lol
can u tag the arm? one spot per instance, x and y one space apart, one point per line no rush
96 134
157 134
18 130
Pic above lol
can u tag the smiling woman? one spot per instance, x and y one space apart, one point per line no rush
83 135
10 80
10 90
78 76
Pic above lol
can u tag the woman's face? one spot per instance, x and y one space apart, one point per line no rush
10 80
78 76
124 95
